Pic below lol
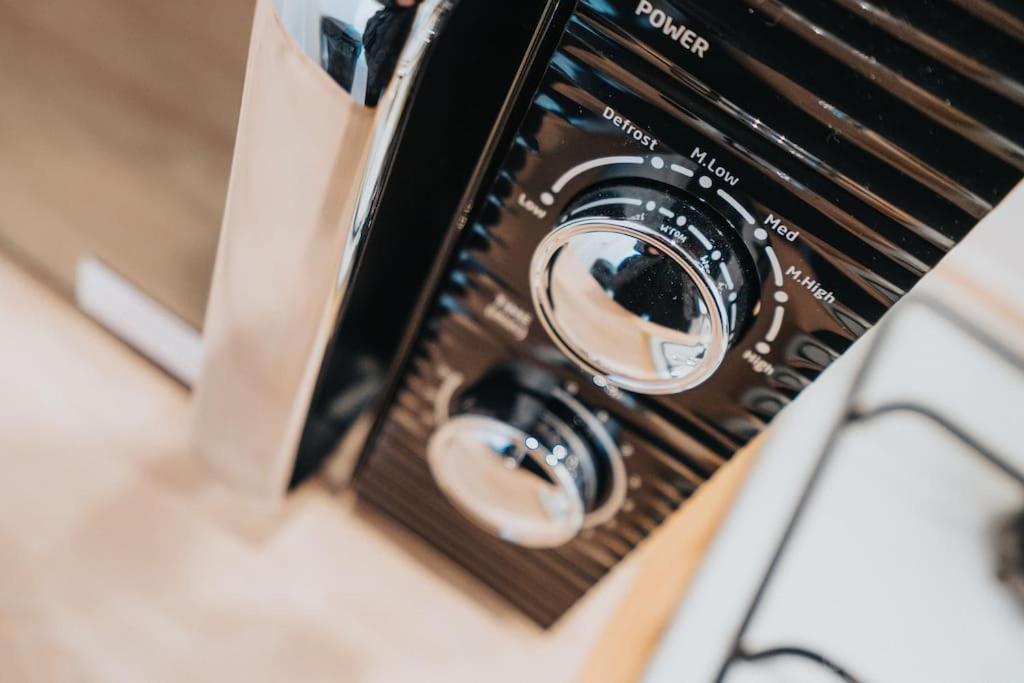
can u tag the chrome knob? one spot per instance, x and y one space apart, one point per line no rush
642 288
532 467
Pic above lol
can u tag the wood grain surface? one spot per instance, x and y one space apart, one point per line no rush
116 129
123 559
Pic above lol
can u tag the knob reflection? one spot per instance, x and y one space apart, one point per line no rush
627 307
507 481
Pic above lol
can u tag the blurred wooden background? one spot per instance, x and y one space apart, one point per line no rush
116 130
124 559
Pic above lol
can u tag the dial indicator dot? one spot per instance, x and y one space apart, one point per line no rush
636 288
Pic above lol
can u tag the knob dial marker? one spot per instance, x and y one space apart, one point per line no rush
637 299
526 461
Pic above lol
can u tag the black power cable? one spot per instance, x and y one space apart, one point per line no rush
854 415
800 653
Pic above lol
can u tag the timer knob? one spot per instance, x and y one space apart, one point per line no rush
643 287
525 461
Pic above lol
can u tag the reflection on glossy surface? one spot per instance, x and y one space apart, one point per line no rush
872 189
508 482
628 308
277 293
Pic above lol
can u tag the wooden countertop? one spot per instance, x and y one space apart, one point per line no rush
116 131
121 557
124 560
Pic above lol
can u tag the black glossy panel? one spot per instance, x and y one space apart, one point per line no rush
847 146
473 66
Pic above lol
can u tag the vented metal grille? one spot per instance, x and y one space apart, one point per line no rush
544 583
890 127
906 117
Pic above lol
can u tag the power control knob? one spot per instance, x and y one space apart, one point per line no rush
527 462
643 287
